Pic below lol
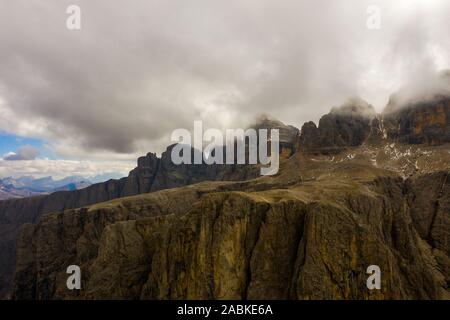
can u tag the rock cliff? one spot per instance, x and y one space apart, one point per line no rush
151 174
422 122
346 126
311 240
357 190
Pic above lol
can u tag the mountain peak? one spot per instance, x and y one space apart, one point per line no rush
344 126
355 106
422 122
431 89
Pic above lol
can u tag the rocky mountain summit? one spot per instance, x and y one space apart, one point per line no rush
356 123
425 122
347 126
359 189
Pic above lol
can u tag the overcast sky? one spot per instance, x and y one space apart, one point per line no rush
116 89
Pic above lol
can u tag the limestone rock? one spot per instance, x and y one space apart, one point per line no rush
151 174
313 240
346 126
420 123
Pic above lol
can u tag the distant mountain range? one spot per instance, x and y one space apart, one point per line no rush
27 186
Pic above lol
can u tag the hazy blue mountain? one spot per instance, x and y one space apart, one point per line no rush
27 186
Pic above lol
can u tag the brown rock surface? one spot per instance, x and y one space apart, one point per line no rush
151 174
422 122
311 239
346 126
358 193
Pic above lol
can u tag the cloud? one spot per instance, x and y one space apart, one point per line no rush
23 153
59 169
432 86
137 71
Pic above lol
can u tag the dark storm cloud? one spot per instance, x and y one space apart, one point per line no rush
23 153
138 70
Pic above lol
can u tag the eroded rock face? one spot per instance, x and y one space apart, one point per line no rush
344 127
313 240
354 195
356 123
429 200
171 175
288 135
420 123
151 174
81 230
16 212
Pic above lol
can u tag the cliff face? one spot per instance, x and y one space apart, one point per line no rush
16 212
426 122
356 123
313 240
357 190
288 135
151 174
346 126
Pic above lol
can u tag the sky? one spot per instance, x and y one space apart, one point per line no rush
91 101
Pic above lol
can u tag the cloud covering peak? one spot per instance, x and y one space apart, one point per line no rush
136 71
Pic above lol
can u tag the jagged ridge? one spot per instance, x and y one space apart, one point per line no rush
352 126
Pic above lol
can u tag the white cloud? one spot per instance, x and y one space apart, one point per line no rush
62 168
